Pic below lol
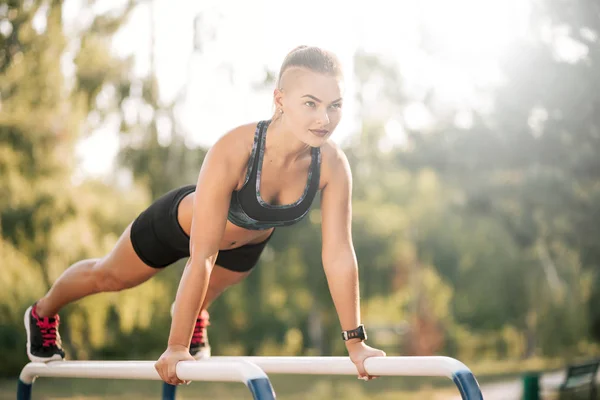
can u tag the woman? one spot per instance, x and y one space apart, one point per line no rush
257 177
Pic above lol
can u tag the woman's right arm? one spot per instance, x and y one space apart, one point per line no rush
218 178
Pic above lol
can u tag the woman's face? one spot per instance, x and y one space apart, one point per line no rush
311 104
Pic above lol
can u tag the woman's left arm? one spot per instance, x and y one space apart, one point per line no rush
339 259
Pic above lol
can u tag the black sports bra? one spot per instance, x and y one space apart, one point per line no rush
247 208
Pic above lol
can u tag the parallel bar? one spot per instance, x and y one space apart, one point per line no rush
384 366
467 385
248 370
448 367
23 391
217 371
261 389
169 391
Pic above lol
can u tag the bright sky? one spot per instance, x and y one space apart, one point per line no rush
252 35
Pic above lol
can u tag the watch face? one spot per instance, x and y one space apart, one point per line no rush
361 332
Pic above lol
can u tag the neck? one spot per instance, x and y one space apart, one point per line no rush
283 144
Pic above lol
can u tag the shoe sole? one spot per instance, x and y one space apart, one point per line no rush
203 354
55 357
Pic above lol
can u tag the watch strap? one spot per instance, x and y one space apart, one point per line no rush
357 333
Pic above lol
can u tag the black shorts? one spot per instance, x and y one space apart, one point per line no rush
159 240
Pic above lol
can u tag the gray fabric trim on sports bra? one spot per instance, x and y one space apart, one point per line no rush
249 210
262 202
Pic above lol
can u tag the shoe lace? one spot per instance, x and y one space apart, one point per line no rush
48 327
200 328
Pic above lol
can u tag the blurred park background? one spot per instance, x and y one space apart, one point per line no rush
473 132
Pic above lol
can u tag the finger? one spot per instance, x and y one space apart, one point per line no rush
362 373
167 378
174 381
159 369
163 371
172 373
370 377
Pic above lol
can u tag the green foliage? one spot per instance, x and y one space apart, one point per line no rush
46 222
475 243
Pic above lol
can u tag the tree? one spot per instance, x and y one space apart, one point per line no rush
45 222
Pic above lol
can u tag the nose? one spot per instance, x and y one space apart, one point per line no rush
324 118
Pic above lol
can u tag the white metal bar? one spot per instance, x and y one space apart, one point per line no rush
379 366
251 370
220 371
384 366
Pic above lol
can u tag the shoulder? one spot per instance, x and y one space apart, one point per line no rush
237 140
334 163
235 146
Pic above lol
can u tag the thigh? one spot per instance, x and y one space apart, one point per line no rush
124 264
156 235
220 277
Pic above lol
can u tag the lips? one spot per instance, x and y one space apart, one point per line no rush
319 132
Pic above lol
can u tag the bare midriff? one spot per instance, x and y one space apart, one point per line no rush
234 236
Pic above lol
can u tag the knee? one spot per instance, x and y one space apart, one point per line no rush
109 280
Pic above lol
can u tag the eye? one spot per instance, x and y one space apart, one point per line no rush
310 103
337 105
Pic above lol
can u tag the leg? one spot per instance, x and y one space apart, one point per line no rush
120 269
221 279
231 267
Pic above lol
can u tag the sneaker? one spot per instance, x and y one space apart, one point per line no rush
43 339
199 346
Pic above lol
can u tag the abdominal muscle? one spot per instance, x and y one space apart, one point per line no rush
234 236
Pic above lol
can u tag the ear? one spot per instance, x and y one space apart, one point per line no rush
278 98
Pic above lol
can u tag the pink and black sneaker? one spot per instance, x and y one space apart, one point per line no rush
199 346
43 339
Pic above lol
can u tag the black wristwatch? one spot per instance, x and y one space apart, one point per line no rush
358 333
